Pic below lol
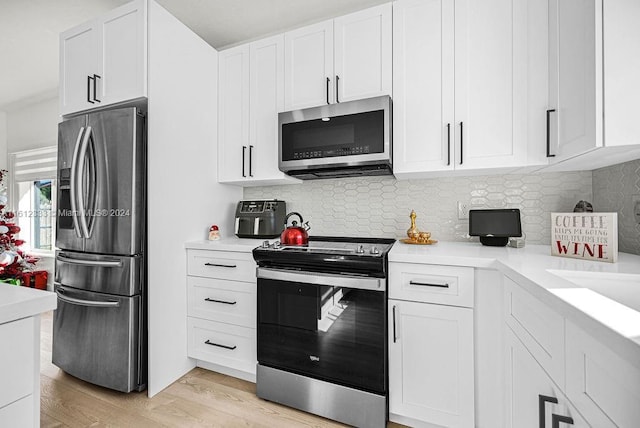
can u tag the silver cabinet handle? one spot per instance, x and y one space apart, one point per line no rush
219 265
219 301
427 284
90 303
97 263
220 346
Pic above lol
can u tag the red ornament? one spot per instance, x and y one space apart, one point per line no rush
13 228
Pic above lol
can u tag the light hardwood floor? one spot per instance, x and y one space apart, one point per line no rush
201 398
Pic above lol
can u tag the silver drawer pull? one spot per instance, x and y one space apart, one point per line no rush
426 284
220 346
98 263
89 303
219 265
219 301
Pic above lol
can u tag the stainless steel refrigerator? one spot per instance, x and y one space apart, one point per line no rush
99 328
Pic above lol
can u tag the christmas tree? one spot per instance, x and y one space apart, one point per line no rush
13 261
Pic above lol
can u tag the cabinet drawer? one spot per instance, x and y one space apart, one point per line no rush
221 264
538 327
448 285
224 344
16 360
19 414
231 302
604 387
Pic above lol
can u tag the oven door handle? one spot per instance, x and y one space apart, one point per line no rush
318 278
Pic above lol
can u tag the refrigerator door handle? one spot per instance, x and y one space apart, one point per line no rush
98 263
73 189
82 302
80 182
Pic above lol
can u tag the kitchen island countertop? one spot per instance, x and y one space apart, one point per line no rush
21 302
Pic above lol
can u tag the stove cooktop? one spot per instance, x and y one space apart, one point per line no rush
328 254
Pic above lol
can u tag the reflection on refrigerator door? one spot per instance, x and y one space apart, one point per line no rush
90 330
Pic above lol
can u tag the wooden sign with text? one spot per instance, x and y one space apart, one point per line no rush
589 236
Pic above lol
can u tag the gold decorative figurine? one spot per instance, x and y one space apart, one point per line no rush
415 235
412 232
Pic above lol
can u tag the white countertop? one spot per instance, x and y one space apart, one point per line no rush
244 245
21 302
601 298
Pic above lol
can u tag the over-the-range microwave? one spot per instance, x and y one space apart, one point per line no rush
337 140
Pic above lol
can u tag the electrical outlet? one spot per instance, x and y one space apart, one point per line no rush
463 210
635 201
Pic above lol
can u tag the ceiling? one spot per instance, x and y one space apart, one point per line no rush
29 32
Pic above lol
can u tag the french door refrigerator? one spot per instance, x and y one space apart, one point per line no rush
99 328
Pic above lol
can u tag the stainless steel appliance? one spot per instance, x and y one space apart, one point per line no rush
322 327
337 140
99 328
260 219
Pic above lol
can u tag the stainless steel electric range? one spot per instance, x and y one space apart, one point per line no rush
322 327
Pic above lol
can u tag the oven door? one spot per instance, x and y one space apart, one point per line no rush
325 326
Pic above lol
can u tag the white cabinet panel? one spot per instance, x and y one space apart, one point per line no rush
431 363
539 327
528 388
124 54
17 360
233 113
104 61
603 386
20 414
423 89
309 66
232 302
362 54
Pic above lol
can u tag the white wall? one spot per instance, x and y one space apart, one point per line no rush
33 126
3 140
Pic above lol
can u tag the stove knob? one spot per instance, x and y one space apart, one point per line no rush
265 244
276 244
374 250
360 249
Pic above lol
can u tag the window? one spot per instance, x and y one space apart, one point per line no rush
32 193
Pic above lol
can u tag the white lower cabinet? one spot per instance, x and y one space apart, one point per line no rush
431 363
221 309
533 400
431 347
604 387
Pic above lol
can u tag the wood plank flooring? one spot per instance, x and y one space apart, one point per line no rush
201 398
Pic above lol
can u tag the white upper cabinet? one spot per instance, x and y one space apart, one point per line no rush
339 60
470 85
309 66
594 84
233 114
362 54
250 95
104 61
423 109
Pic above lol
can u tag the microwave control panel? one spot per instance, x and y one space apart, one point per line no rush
340 151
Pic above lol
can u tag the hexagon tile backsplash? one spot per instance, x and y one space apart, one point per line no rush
617 189
380 206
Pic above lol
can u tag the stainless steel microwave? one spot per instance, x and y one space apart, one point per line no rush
337 140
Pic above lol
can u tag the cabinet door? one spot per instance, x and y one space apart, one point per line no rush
266 100
431 375
526 383
362 54
78 61
124 53
499 96
423 87
308 70
576 76
233 114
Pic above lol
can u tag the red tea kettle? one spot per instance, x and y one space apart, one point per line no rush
294 234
